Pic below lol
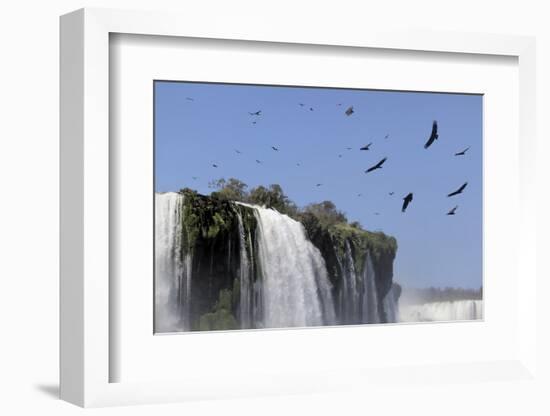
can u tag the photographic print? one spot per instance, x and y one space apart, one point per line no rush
288 206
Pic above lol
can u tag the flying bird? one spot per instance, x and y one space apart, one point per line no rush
391 193
387 136
301 104
256 113
366 147
319 184
376 213
406 201
339 155
377 166
194 178
452 211
459 190
310 108
359 194
348 148
463 152
238 151
258 161
254 122
297 164
274 148
339 104
189 99
349 111
433 135
214 165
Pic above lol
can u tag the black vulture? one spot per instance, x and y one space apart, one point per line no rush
459 190
463 152
406 201
377 166
452 211
433 135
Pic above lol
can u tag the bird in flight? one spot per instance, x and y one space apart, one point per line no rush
253 122
377 166
387 136
339 155
256 113
319 184
349 111
459 190
433 135
366 147
452 211
463 152
194 178
301 104
376 213
391 193
214 165
359 194
238 151
310 108
348 148
297 164
406 201
274 148
258 161
339 104
189 99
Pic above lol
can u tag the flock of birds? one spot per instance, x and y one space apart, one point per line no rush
350 111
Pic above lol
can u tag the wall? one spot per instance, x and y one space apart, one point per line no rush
29 208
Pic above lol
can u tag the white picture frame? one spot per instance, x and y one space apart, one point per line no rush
86 290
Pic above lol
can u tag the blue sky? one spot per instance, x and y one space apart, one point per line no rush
434 249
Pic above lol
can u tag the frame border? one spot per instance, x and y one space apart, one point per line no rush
84 178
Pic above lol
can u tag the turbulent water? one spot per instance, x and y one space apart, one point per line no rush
459 310
296 289
172 270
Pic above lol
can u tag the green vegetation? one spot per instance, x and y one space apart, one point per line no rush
221 317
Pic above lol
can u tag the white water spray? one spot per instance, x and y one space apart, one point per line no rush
295 286
172 270
458 310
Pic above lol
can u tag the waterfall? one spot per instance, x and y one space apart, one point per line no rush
245 284
349 294
295 286
172 266
370 295
391 306
458 310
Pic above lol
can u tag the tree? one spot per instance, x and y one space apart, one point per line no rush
232 189
327 213
273 197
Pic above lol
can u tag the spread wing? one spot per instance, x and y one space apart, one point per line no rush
379 164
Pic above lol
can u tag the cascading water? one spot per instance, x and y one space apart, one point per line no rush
370 297
172 266
458 310
391 306
349 298
245 284
295 286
